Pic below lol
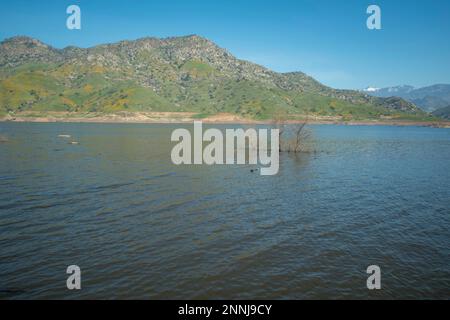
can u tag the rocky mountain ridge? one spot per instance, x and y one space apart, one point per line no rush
188 73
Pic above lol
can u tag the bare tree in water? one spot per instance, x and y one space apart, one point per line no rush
292 136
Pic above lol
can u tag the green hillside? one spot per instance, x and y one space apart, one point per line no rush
442 113
174 74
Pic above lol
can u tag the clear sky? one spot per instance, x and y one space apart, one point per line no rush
327 39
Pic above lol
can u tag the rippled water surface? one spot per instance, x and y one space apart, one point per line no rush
141 227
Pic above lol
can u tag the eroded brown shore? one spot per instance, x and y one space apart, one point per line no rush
189 117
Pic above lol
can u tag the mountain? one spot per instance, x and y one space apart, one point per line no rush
389 91
427 98
188 73
442 113
371 89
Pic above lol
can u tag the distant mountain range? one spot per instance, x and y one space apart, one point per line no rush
188 73
428 98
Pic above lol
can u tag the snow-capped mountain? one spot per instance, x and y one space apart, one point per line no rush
389 91
427 98
371 89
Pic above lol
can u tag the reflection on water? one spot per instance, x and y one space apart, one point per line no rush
141 227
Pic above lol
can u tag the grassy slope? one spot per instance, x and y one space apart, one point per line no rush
443 113
42 87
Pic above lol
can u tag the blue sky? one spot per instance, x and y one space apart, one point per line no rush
327 39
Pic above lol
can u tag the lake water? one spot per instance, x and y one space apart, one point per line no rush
140 227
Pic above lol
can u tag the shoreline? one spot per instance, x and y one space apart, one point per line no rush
190 117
